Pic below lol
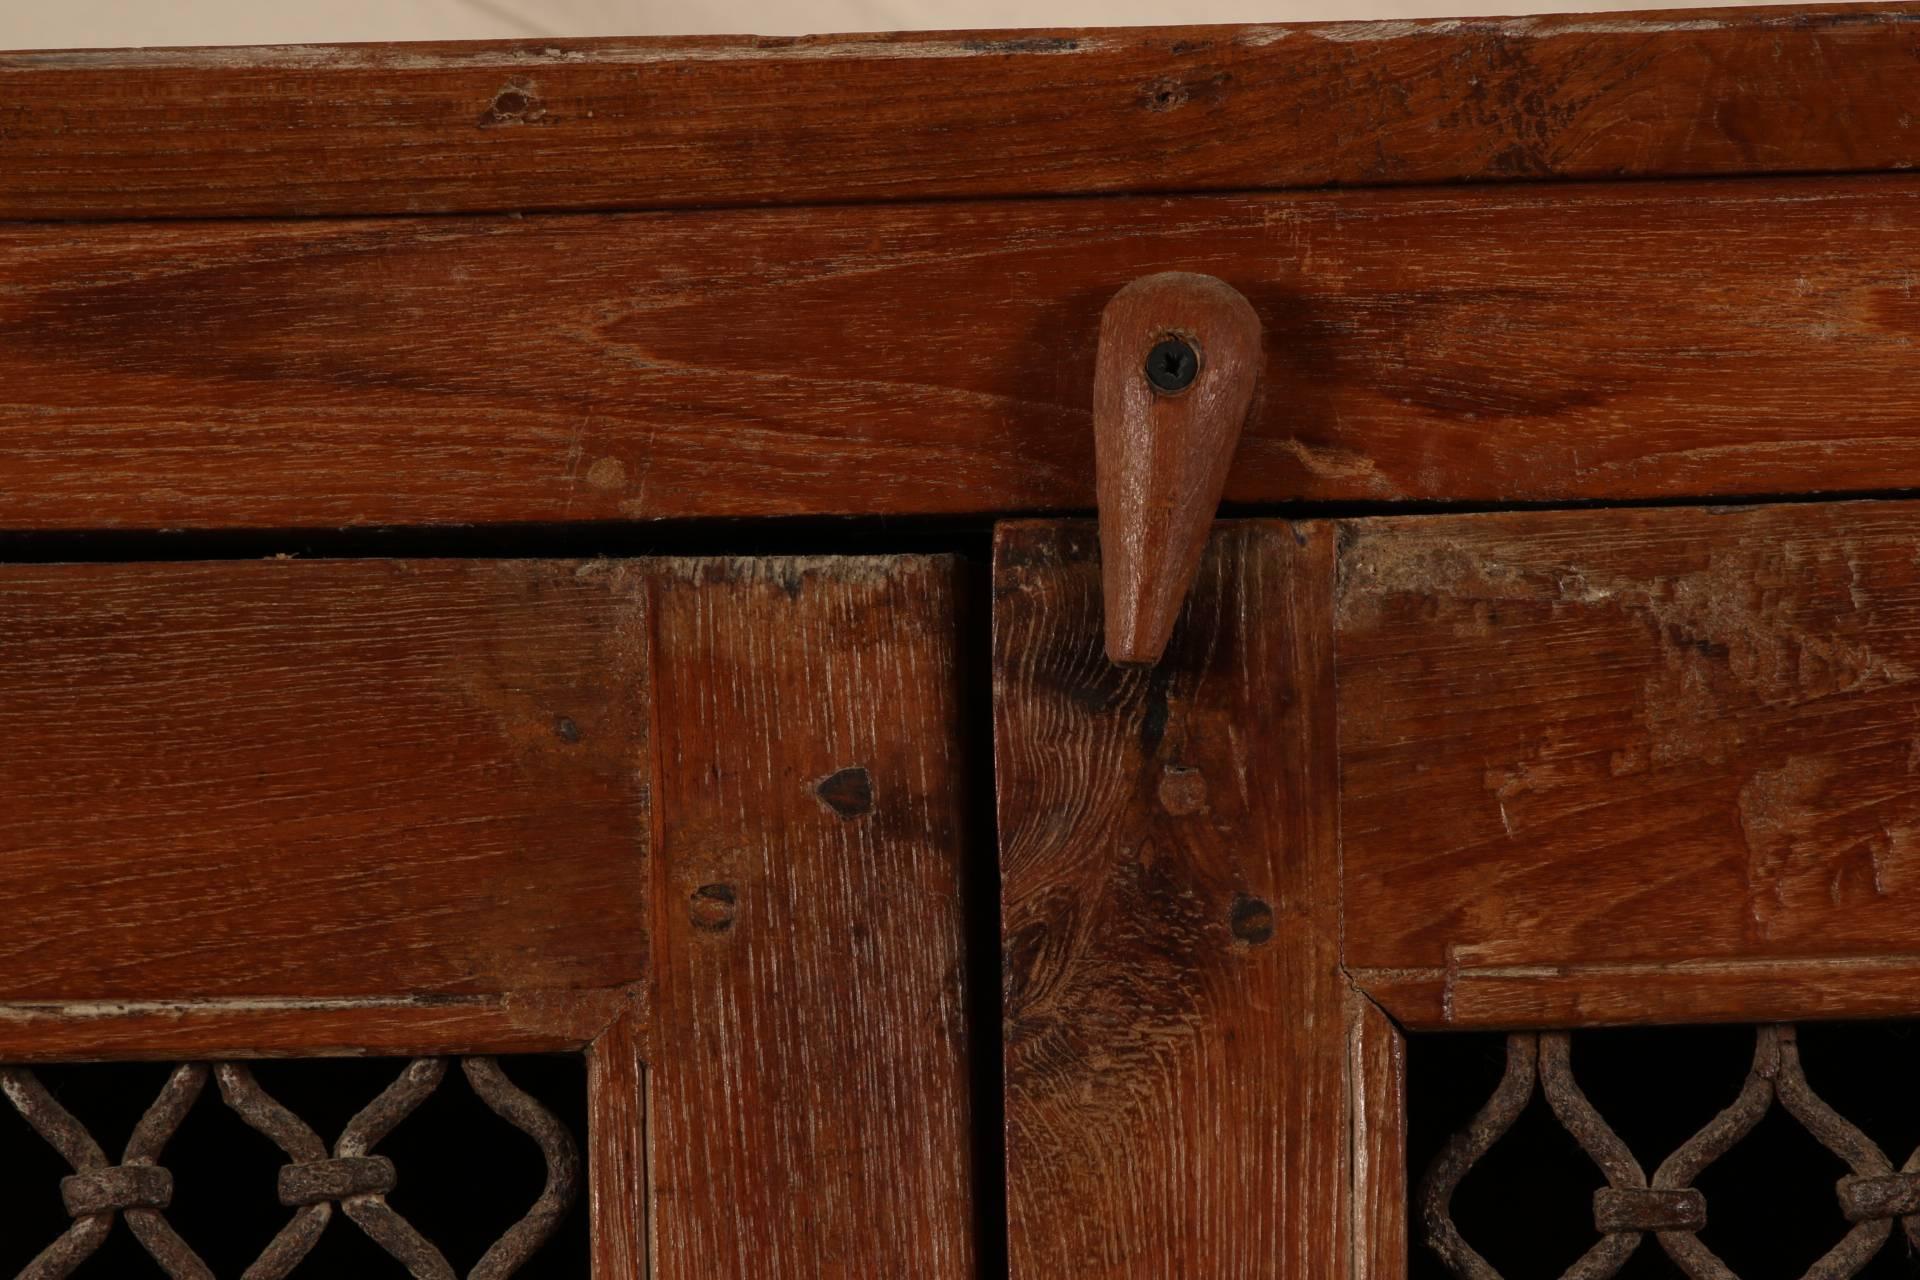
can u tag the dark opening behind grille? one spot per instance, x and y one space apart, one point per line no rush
1772 1210
464 1174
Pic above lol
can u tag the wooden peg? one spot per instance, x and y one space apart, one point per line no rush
1171 385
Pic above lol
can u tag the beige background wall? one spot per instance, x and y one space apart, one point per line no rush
53 24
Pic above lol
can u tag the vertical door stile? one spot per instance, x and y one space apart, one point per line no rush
1177 1051
810 1104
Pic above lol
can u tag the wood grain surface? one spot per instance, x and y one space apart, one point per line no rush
285 807
1638 763
1177 1068
571 124
809 1095
1377 1063
1658 992
617 1148
295 1026
1634 340
1179 353
342 779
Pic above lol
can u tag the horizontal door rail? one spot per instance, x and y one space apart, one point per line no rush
1546 344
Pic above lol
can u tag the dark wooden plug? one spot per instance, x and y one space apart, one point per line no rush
1178 356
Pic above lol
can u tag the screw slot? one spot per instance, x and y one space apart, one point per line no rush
1171 365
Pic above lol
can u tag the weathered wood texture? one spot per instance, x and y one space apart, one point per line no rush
617 1148
320 779
1377 1066
1602 341
1179 353
576 124
294 1026
809 1097
1653 992
1641 763
1176 1023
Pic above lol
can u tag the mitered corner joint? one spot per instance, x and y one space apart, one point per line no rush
1173 381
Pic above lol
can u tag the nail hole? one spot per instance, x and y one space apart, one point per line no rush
711 907
848 793
1251 920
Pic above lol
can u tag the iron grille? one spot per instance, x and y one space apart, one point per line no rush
314 1181
1873 1196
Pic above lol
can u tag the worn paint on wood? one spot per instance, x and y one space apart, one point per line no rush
1176 1024
335 779
1677 744
597 124
809 1096
1486 344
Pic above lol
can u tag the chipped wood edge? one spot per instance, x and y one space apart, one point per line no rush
997 42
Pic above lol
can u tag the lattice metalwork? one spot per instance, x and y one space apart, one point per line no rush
1873 1196
312 1184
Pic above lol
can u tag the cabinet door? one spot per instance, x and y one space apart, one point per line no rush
1402 780
689 830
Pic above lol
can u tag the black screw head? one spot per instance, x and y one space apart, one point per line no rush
1171 365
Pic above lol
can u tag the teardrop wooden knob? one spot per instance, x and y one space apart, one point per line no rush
1171 385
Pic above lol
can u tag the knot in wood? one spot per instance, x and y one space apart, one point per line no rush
1648 1209
318 1181
1183 790
127 1186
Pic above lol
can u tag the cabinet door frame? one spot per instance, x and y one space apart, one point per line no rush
1170 915
630 809
1172 1108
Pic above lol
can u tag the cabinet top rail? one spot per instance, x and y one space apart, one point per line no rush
678 123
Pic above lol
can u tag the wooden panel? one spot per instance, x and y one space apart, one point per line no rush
552 124
1176 1045
809 1081
1491 344
325 780
1581 749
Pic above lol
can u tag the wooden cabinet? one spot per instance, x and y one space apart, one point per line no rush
585 550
